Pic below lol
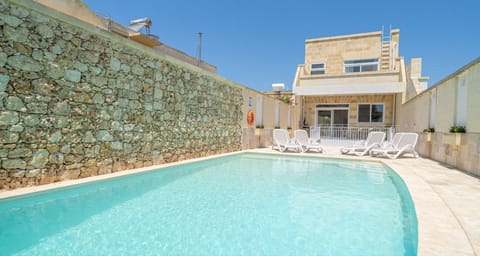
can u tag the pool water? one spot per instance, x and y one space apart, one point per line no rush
243 204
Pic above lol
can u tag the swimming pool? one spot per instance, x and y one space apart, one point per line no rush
241 204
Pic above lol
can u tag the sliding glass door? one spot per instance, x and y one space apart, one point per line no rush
332 115
324 117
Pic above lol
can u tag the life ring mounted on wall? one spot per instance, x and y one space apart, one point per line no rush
250 118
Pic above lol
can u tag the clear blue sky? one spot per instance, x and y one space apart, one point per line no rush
257 43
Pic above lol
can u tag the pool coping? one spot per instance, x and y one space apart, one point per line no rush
447 225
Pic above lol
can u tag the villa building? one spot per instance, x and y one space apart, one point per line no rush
354 80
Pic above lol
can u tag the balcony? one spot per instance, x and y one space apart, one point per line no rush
375 82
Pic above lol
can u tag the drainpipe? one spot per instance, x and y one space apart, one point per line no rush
302 120
393 130
394 109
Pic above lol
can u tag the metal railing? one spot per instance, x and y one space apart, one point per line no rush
346 135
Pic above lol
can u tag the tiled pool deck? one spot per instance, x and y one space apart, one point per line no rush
447 201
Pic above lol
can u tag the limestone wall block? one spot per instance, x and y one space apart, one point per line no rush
20 153
69 174
10 164
60 108
57 158
18 34
22 62
39 158
37 108
42 86
10 20
8 118
7 137
72 75
16 128
15 103
45 31
54 136
3 59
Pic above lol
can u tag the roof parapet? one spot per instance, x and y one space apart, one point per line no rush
342 37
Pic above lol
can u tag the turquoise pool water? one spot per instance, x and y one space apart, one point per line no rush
245 204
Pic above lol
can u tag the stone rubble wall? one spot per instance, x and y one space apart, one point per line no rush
75 103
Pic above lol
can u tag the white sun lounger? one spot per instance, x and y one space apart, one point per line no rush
307 144
402 143
282 141
374 140
393 144
315 134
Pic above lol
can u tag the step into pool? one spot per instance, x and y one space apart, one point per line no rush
241 204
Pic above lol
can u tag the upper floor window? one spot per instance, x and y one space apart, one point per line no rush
361 65
317 69
370 113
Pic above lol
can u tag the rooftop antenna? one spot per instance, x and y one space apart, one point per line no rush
199 49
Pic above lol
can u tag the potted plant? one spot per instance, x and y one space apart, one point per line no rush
431 130
458 129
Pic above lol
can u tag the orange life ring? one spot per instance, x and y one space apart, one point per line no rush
250 118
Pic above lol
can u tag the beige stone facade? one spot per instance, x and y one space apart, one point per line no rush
312 102
334 51
354 80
